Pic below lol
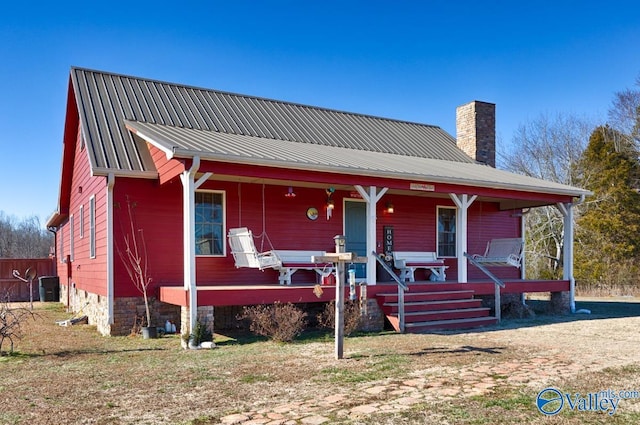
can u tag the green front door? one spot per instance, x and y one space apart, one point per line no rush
355 231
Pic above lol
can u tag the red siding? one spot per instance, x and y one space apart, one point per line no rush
167 169
87 273
158 212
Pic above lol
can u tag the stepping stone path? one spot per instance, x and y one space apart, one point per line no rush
424 386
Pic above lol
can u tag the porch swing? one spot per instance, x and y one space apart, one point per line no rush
245 253
244 249
505 252
286 262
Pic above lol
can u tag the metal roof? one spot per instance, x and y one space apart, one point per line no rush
105 100
209 145
186 121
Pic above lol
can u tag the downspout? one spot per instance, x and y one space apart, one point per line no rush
111 181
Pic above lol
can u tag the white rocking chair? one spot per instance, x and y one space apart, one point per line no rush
245 253
502 252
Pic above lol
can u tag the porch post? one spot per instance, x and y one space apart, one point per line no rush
462 203
188 236
567 263
372 199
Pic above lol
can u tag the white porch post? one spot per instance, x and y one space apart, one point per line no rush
188 236
372 199
463 202
567 264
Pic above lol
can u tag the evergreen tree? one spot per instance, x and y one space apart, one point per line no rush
608 238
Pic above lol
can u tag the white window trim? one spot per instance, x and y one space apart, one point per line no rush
438 208
224 222
61 243
92 226
81 213
71 236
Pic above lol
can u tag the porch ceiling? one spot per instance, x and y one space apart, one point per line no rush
215 146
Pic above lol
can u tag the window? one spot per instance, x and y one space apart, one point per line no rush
92 227
446 232
209 222
71 235
81 221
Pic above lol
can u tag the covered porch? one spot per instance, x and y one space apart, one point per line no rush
426 306
249 294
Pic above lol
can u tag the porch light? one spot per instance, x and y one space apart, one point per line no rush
330 204
290 193
389 208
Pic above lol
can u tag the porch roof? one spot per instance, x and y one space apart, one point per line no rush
179 142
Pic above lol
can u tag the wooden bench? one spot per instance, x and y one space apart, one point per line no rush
290 261
409 261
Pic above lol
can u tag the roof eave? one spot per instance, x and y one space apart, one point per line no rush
208 156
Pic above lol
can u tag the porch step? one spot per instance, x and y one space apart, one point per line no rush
468 323
436 309
429 295
411 306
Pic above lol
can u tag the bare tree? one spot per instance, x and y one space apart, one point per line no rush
23 238
134 256
624 113
550 148
11 321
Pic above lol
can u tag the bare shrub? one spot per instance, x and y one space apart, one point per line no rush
279 322
11 320
352 316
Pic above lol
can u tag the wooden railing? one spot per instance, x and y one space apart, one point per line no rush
402 287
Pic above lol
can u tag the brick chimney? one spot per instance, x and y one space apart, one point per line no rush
476 131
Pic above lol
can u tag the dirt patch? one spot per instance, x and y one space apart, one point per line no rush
72 375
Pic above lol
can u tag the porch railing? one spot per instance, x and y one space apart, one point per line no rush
402 287
497 283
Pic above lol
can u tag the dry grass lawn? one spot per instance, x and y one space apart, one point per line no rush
71 375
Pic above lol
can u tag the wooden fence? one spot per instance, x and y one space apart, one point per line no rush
16 289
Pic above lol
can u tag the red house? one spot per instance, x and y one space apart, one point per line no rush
195 163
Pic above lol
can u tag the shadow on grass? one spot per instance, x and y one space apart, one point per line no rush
465 349
76 353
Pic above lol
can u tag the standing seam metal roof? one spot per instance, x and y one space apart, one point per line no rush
106 100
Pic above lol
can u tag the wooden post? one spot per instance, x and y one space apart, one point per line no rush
339 313
339 258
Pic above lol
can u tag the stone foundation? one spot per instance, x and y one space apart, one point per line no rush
372 318
125 311
560 303
204 315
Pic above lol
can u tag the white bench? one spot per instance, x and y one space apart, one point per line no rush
290 261
409 261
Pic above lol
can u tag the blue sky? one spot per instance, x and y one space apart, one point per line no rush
410 60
